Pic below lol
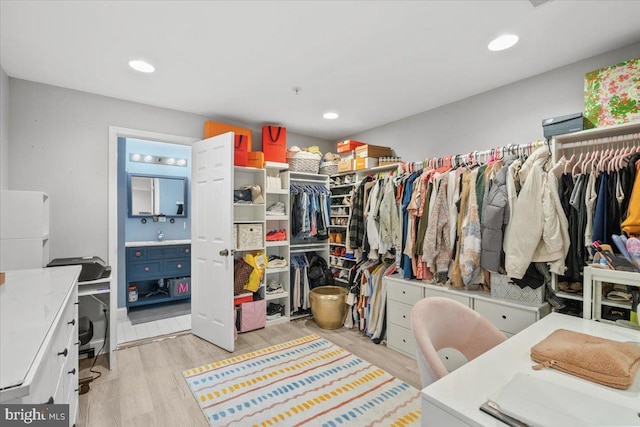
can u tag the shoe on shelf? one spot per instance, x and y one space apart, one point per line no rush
276 236
274 311
347 179
349 255
276 261
338 238
276 208
274 287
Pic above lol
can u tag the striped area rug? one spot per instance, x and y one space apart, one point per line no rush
305 382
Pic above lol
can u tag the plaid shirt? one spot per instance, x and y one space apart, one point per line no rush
356 222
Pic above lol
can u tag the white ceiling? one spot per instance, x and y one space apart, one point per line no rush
373 62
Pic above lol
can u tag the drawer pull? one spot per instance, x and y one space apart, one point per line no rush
138 253
404 292
49 402
63 353
147 269
179 266
72 323
404 316
404 340
72 372
77 343
504 317
186 251
76 303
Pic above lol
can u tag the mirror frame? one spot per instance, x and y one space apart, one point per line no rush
143 175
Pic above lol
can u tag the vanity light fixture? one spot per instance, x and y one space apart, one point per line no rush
158 160
142 66
330 116
503 42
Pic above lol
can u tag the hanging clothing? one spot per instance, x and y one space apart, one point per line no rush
539 230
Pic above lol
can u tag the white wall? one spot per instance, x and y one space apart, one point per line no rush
59 144
510 114
4 130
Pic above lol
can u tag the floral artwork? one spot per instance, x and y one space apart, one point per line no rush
612 94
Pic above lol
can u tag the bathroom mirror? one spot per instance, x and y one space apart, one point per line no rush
151 195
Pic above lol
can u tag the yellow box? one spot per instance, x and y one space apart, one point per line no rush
345 165
374 151
366 163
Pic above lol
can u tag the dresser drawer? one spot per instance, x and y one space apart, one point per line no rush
428 292
142 270
404 293
401 339
162 252
399 314
177 267
184 251
134 254
508 319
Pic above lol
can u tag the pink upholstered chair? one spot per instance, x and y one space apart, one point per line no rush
443 323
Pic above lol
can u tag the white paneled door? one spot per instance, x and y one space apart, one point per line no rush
212 311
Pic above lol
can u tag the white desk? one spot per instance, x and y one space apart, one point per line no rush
454 400
100 289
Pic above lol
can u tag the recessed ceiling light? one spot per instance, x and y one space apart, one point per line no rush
142 66
330 116
503 42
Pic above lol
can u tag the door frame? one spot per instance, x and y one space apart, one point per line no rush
116 132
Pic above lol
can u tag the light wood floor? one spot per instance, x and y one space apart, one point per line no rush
147 387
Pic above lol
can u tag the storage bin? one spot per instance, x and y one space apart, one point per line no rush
374 151
502 288
328 168
250 236
253 315
179 287
255 159
302 161
562 124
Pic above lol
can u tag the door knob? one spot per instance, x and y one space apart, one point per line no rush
224 252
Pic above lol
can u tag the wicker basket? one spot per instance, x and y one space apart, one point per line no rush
328 168
301 161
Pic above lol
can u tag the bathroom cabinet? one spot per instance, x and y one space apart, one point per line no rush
151 265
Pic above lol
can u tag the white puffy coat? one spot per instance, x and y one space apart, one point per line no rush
539 230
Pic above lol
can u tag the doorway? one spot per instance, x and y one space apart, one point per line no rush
160 318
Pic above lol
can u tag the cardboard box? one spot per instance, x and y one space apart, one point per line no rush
348 145
212 128
346 166
255 159
374 151
366 163
612 95
562 124
348 155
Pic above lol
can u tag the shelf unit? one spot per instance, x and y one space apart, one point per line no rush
277 190
340 219
24 229
593 299
250 213
586 138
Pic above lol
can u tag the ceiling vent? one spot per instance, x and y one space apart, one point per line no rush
536 3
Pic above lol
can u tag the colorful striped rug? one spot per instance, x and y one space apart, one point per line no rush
308 381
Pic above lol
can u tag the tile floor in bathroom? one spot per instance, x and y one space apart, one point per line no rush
128 332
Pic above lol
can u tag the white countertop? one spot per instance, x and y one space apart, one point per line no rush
461 392
158 243
30 302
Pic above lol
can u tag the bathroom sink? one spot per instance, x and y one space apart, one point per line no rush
159 243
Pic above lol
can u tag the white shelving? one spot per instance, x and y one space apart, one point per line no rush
24 229
277 190
593 300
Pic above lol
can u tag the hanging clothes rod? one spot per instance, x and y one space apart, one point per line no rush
484 155
607 140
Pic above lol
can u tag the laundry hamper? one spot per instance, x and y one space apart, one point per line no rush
328 168
302 161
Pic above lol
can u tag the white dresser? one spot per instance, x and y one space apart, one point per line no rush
508 316
39 337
